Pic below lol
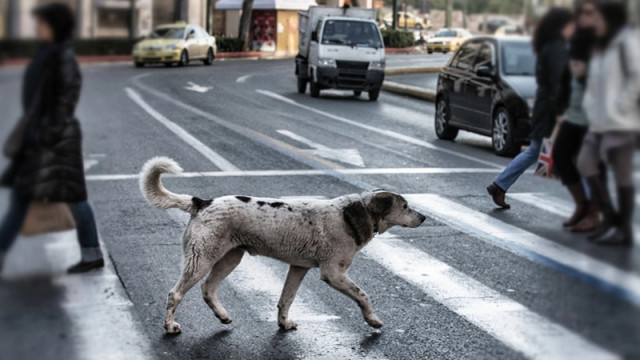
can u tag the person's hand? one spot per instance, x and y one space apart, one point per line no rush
559 119
578 68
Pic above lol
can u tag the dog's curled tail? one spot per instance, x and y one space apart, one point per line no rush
152 188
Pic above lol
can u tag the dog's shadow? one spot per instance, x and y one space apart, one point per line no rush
371 340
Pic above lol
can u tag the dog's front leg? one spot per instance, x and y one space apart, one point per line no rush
339 280
291 286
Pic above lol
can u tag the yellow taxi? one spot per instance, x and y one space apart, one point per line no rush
446 40
176 43
412 21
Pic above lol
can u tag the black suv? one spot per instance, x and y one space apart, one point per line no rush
488 87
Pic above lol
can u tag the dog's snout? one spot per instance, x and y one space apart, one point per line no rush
422 218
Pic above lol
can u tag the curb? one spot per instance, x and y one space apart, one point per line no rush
412 91
413 70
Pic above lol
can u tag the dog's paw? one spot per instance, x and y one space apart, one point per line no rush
173 328
287 325
373 321
224 318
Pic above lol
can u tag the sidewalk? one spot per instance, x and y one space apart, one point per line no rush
47 314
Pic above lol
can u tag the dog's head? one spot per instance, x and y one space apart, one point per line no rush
379 211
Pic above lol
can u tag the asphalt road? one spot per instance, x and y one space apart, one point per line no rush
472 282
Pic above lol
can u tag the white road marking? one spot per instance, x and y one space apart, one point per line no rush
503 318
558 206
89 163
203 149
389 133
309 172
191 86
321 339
348 156
525 243
243 78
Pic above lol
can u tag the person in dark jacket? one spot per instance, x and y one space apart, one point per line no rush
574 124
48 165
550 44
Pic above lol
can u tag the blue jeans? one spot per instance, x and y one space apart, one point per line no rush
18 207
519 165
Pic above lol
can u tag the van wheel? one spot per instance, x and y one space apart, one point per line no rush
210 57
444 131
184 58
502 136
373 94
302 85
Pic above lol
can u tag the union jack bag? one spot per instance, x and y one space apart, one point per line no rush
544 168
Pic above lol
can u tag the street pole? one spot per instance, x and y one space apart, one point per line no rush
404 14
466 12
209 17
394 21
447 19
132 15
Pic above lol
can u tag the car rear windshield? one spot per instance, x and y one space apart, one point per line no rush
351 33
446 33
518 59
168 33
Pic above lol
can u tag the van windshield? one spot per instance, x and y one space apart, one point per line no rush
351 33
518 59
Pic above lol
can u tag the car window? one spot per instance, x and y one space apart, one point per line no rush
518 59
200 33
466 56
485 57
446 33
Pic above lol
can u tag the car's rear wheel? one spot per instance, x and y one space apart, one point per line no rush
210 57
302 85
430 51
444 131
184 58
502 136
139 64
373 94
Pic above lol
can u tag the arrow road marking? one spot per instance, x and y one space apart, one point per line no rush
348 156
197 88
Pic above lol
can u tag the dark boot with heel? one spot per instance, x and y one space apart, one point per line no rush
600 195
623 231
580 199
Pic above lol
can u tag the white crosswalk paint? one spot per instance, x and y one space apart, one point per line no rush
525 243
222 163
558 206
321 337
503 318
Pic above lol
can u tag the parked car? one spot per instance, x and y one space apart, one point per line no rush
488 87
412 21
176 43
446 40
510 30
494 24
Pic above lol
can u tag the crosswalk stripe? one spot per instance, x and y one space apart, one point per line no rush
556 205
321 337
524 243
503 318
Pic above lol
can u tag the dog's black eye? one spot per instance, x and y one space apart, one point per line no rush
405 206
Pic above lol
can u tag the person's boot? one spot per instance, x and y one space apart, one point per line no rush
498 196
577 193
84 266
590 221
623 234
600 195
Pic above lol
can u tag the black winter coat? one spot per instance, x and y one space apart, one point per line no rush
50 166
551 66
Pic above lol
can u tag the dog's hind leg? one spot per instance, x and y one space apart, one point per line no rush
195 268
220 271
291 286
339 280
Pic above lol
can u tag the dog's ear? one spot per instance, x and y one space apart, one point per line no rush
358 223
380 204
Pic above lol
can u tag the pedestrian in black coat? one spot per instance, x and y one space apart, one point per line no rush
550 44
47 165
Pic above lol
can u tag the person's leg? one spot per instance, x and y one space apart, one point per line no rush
11 224
565 149
88 238
621 160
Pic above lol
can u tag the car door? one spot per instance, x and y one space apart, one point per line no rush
462 71
480 90
203 43
191 39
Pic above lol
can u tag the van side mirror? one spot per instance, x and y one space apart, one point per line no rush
484 71
314 36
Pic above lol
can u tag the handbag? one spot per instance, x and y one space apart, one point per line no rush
15 142
47 217
544 167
